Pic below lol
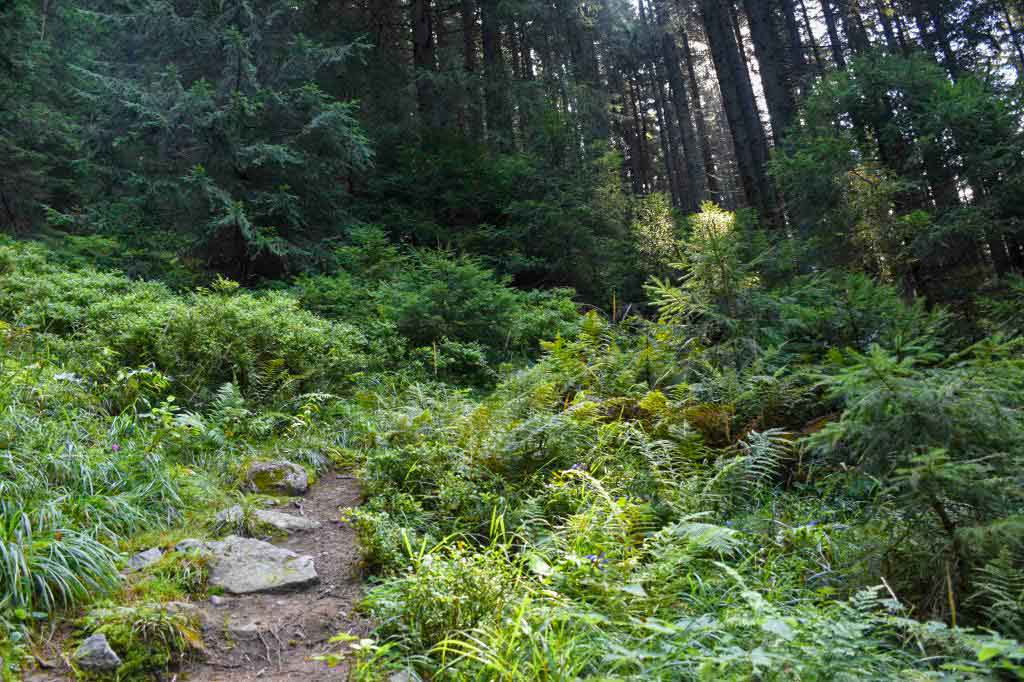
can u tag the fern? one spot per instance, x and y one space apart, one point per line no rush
999 592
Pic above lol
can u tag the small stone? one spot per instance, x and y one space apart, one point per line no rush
217 600
280 477
173 607
400 676
244 631
95 654
144 559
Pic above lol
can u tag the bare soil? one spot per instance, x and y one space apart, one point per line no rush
275 636
262 637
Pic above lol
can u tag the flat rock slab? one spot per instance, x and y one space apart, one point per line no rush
243 566
288 523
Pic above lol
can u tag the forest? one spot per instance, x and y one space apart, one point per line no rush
397 340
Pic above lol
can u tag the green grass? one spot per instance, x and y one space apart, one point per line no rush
684 499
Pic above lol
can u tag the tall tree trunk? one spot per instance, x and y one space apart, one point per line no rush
423 61
44 15
665 136
640 114
496 96
794 61
942 37
749 141
1015 38
473 120
584 61
853 26
882 10
770 52
693 189
833 34
921 21
818 59
901 33
707 153
734 20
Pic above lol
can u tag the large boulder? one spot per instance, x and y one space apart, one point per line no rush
280 477
243 565
286 523
95 655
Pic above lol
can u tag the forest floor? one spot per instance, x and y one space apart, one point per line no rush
275 636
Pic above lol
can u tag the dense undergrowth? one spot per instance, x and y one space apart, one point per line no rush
129 411
809 481
782 477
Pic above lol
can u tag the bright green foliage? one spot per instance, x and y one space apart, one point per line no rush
946 440
265 343
176 576
456 316
146 637
669 518
414 238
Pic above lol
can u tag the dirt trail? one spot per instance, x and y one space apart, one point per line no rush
274 636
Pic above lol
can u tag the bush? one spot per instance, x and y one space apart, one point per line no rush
263 342
432 297
446 592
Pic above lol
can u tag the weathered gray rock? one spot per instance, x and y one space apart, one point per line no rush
218 600
280 477
243 565
144 559
183 607
287 523
95 654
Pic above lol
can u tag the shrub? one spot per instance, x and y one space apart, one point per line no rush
213 336
147 637
445 592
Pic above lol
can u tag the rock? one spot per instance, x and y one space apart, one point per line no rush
242 565
217 600
400 676
243 631
174 607
95 654
144 559
287 523
284 478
